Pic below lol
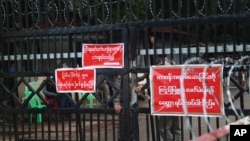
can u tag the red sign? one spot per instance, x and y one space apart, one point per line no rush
182 90
103 55
75 80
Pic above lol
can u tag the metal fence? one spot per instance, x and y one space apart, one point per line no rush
35 34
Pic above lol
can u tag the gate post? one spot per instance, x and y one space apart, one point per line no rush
125 117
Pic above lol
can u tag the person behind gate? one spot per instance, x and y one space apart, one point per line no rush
167 124
50 92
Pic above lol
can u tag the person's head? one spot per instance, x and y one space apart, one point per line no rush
58 61
52 77
160 57
151 37
50 82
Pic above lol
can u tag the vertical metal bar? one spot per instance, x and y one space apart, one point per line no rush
147 127
197 45
61 47
14 79
30 113
79 128
54 47
145 10
35 120
134 122
182 128
102 3
171 38
224 34
41 61
33 14
83 133
179 34
190 128
91 126
126 13
46 14
7 16
70 127
154 10
170 7
208 127
215 39
163 9
189 33
57 124
217 122
39 9
53 17
69 50
34 53
113 126
137 10
153 127
244 35
157 131
28 54
74 20
15 126
214 7
199 126
129 10
22 126
14 15
207 29
42 126
125 128
62 13
81 13
111 12
235 35
26 15
99 127
146 45
95 11
106 119
90 19
63 126
132 43
1 19
118 16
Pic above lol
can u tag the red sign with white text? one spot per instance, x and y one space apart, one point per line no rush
75 80
103 55
186 90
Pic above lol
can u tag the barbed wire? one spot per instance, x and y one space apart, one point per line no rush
226 10
101 10
216 133
201 10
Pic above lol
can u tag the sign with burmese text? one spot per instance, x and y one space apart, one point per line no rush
189 89
75 80
103 55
